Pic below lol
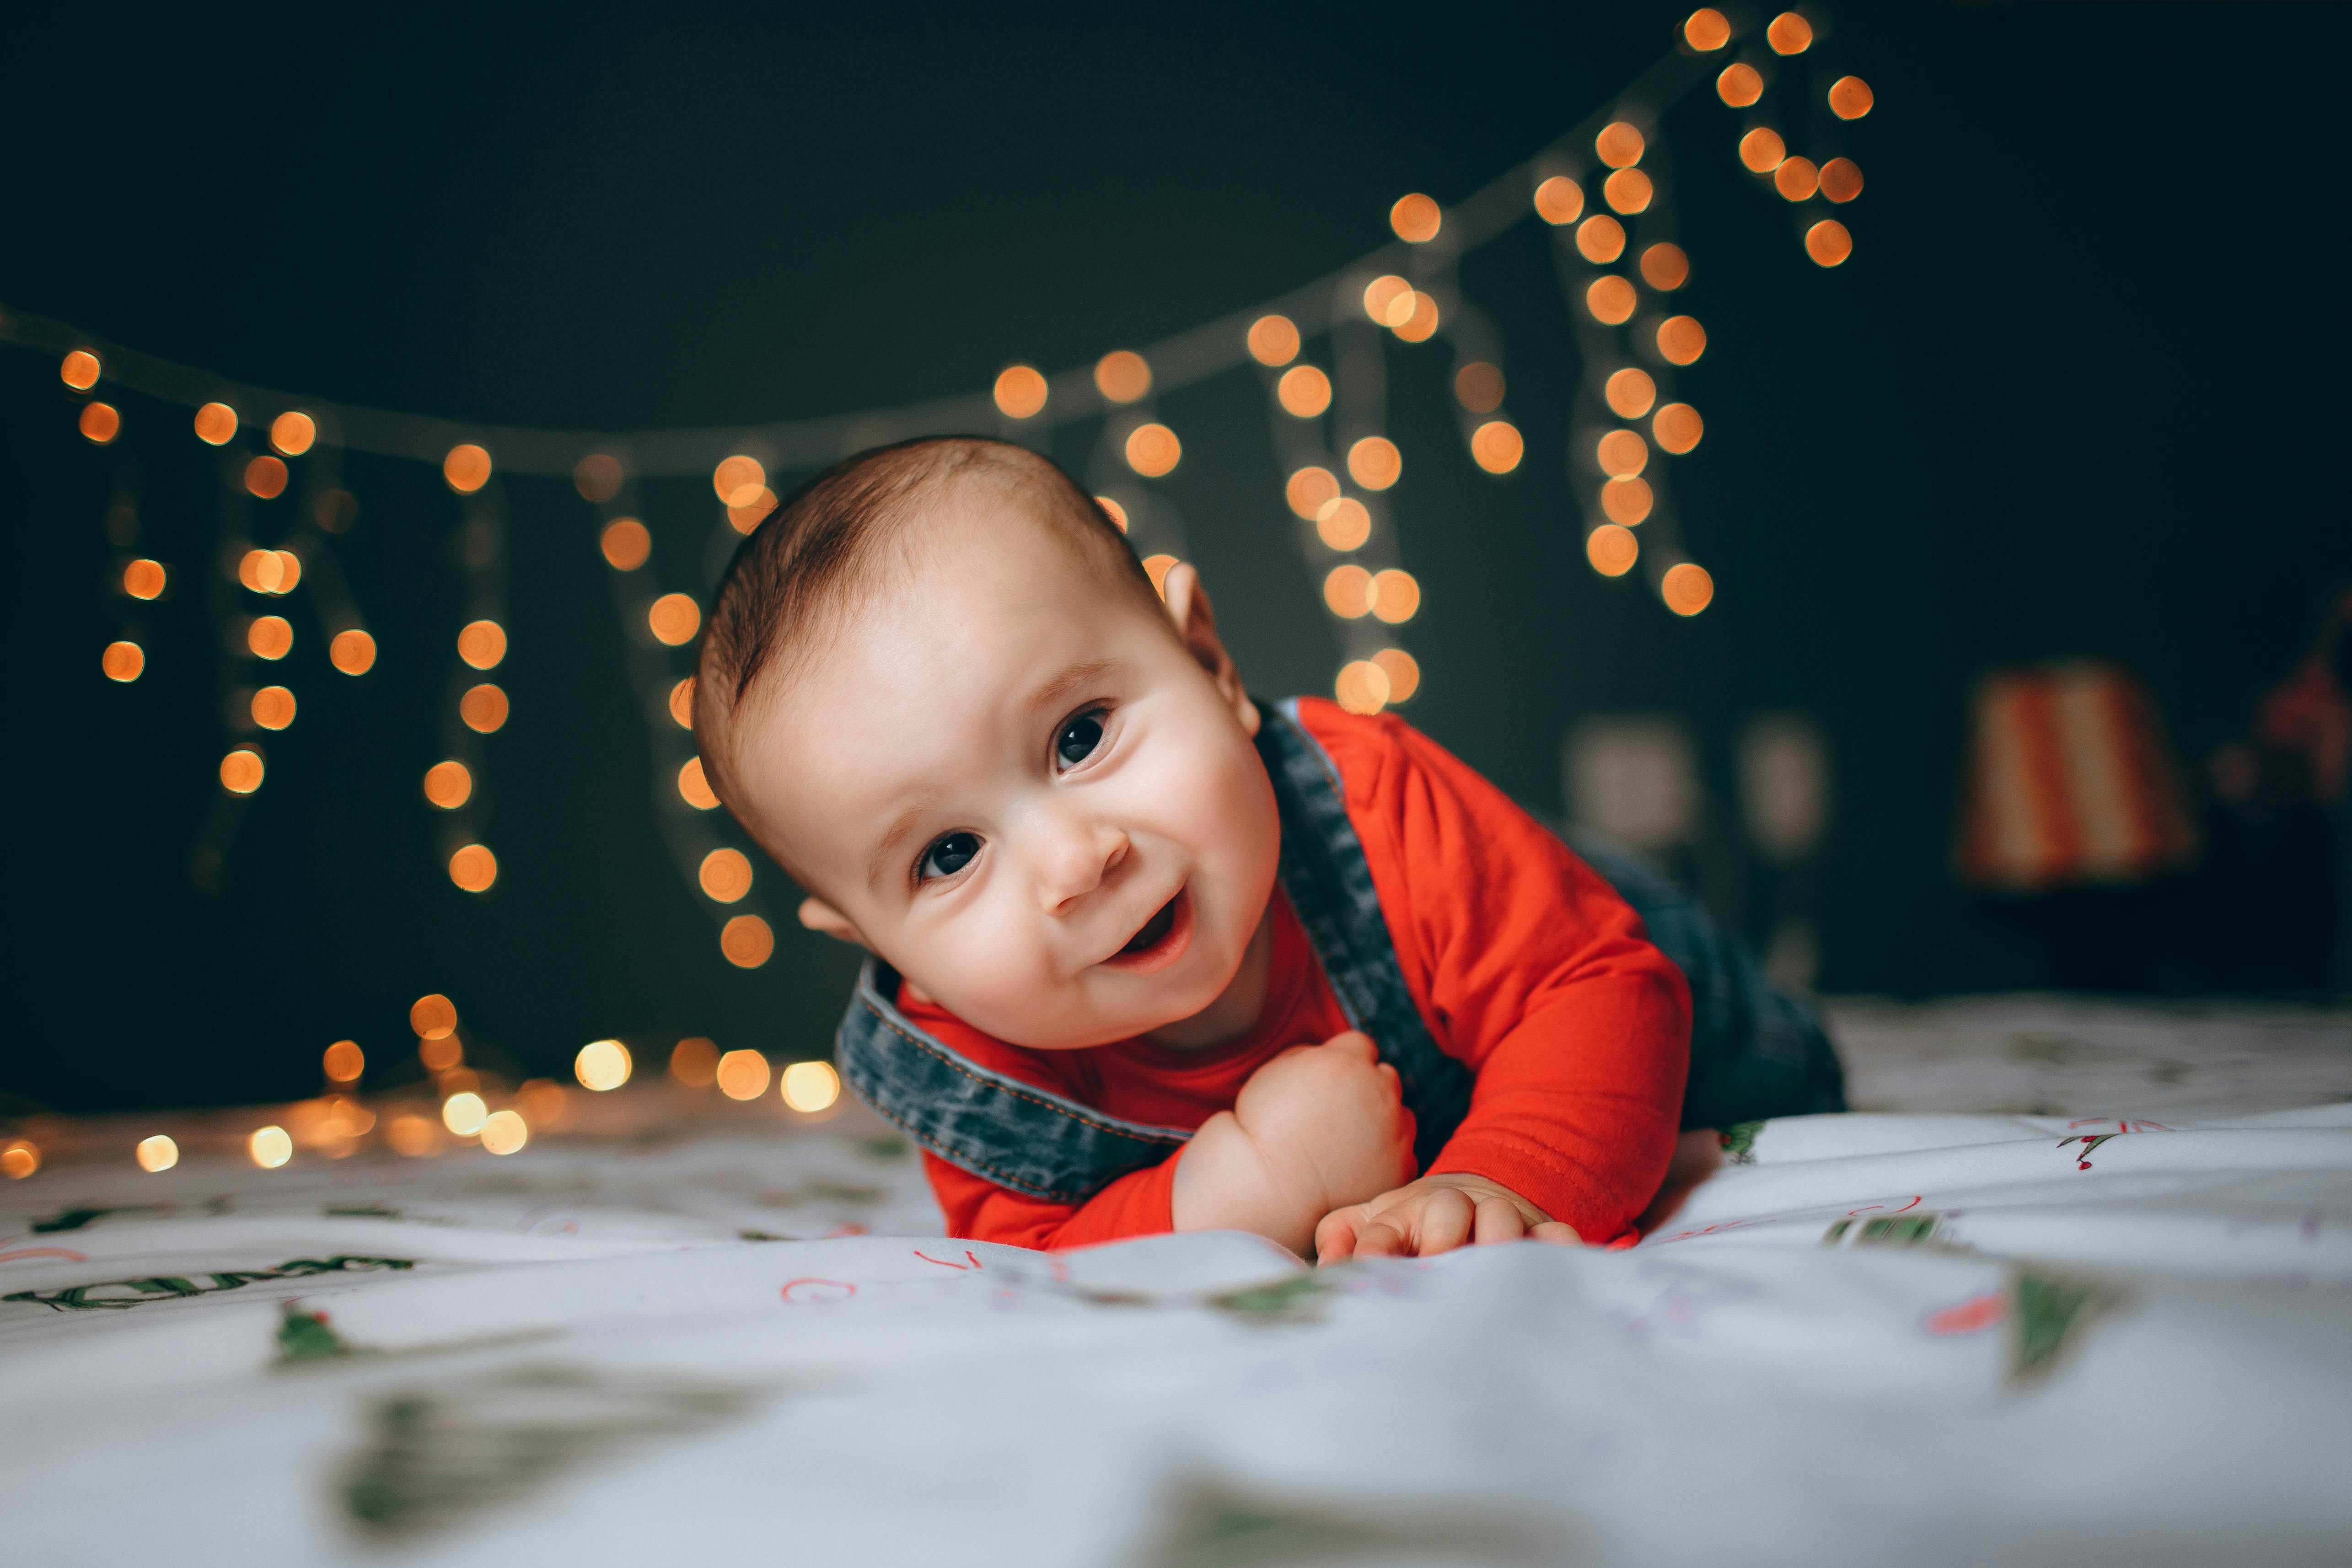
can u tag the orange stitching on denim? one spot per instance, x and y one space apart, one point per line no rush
949 1058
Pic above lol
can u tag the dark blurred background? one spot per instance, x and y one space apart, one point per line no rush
2078 392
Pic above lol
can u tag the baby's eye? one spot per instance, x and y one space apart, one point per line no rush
1078 738
949 854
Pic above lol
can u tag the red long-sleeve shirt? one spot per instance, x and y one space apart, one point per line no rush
1525 964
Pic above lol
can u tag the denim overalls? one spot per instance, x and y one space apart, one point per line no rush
1754 1052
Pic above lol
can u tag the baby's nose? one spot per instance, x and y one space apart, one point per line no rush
1079 858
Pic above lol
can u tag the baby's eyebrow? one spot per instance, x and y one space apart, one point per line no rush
1070 680
884 847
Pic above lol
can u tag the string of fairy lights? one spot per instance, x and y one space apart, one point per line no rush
1605 192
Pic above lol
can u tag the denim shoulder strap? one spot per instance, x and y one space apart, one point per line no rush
1330 887
1013 1133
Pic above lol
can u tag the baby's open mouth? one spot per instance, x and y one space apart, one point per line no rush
1163 939
1154 928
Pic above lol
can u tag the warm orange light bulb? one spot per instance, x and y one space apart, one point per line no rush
1664 268
1154 450
1122 375
1678 427
123 661
1790 33
681 703
1497 446
1761 150
1681 340
483 709
1375 463
216 424
674 618
1402 670
1610 299
1560 200
293 432
627 543
467 469
1706 30
1416 218
1686 588
1601 239
1627 190
1611 549
1273 340
1020 392
1738 86
144 579
482 644
1344 523
273 708
693 788
1841 179
1304 391
1396 595
747 942
474 868
1851 97
448 785
241 771
1113 510
79 370
726 876
1347 591
1622 454
1630 393
265 475
1796 179
269 637
100 423
1362 687
1309 490
1829 243
353 651
1626 501
597 477
738 476
1478 388
1619 145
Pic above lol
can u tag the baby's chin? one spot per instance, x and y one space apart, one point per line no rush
1076 1021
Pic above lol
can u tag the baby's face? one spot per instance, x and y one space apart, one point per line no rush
1022 789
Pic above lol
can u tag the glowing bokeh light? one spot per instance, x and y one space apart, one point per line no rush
1348 591
1601 239
1666 268
473 869
746 942
265 476
1626 500
261 570
1388 300
674 618
484 708
433 1016
737 475
464 1112
216 424
810 1087
334 510
344 1061
1497 446
353 651
1344 523
597 477
19 1158
412 1136
157 1155
694 1062
293 432
1560 200
290 570
726 876
241 771
1416 218
1796 179
1686 588
1362 687
1738 86
602 1065
1790 33
743 1075
1020 392
505 1131
1851 97
1154 450
270 1147
1478 388
1113 510
1396 595
1420 323
693 788
467 468
1678 427
1706 30
273 708
1610 299
1630 393
123 661
1841 180
1761 150
1308 489
1628 190
482 644
1375 463
1611 549
1157 568
79 370
448 785
1619 145
626 542
1402 670
1122 375
1273 340
1681 340
1622 454
1304 392
1827 243
681 703
143 579
101 422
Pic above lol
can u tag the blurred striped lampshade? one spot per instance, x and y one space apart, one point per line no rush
2070 783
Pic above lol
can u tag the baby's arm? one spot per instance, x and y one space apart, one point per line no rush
1315 1128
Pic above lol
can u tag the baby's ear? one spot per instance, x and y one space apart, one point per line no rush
818 915
1196 628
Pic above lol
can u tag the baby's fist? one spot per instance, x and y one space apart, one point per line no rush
1330 1118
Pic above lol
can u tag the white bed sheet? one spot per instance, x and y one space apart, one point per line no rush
2112 1332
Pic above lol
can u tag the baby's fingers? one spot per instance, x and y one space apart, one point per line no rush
1499 1220
1335 1236
1556 1233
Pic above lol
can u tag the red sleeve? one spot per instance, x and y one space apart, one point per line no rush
1526 966
1137 1204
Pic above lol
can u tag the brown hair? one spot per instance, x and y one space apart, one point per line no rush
826 541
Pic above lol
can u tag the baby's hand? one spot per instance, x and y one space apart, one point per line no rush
1436 1214
1316 1127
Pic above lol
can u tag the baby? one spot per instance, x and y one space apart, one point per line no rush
1148 955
